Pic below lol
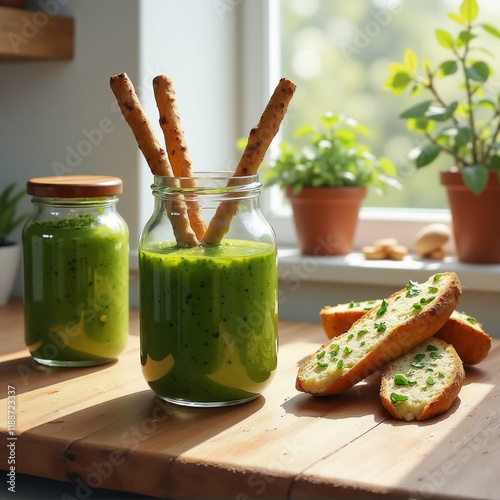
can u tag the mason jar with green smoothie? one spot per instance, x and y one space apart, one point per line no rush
76 293
208 312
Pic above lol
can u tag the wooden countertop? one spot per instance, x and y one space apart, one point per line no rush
103 428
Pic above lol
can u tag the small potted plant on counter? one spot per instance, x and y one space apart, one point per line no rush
466 130
10 251
326 182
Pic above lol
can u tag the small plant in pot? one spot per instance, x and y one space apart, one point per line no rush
466 130
326 182
9 250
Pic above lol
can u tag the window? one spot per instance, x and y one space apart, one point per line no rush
338 53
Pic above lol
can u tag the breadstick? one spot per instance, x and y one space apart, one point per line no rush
175 142
259 140
153 152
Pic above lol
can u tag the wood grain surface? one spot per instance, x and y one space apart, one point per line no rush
103 427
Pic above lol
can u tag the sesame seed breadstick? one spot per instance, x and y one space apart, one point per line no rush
261 136
259 140
155 155
175 142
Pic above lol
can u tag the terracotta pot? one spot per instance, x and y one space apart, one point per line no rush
326 218
475 218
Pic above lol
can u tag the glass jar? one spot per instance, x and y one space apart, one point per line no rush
208 313
76 294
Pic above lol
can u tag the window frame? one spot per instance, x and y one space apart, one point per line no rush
260 71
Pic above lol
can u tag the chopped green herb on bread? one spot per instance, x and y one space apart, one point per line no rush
424 382
338 319
463 331
467 336
385 332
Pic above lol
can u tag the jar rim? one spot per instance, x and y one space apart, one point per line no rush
74 186
75 202
208 182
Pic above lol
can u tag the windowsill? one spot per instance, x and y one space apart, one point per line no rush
307 283
355 269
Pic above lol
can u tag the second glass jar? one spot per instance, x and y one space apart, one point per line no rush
76 293
208 312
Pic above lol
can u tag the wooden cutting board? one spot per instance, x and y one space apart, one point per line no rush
103 428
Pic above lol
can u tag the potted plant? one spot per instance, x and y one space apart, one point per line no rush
326 182
9 250
466 130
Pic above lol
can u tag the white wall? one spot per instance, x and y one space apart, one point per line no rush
47 109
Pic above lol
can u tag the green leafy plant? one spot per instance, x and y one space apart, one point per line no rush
9 200
466 130
333 157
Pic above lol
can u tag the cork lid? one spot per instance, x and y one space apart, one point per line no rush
74 186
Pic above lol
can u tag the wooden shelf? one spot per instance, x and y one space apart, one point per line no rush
27 35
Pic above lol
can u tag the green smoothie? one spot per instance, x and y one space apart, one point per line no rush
208 320
76 290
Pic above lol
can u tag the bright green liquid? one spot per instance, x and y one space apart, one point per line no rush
76 291
208 320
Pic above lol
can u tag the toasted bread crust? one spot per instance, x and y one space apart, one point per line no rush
439 402
406 330
470 341
338 319
466 335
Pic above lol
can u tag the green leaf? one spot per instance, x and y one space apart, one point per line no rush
9 199
388 166
457 18
469 10
464 136
445 39
420 125
479 71
475 177
346 136
360 128
304 130
329 120
491 30
447 68
487 103
410 60
464 38
422 156
397 82
441 114
396 398
417 110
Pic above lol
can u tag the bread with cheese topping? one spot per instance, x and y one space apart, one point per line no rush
424 382
463 331
466 334
399 323
338 319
